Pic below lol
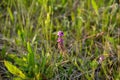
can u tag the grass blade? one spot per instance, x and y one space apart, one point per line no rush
10 13
95 6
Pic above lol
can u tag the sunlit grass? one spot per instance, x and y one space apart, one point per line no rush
29 43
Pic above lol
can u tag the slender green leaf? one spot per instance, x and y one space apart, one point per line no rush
94 6
43 64
31 59
14 70
10 13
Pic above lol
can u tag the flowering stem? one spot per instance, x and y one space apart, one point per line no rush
60 42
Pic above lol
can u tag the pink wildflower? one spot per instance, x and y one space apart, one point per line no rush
101 58
60 34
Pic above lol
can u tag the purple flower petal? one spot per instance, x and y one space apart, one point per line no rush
60 33
60 40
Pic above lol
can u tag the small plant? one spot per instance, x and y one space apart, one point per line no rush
60 43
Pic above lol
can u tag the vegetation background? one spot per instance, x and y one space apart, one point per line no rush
28 39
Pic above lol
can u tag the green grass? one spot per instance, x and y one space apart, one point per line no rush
91 28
